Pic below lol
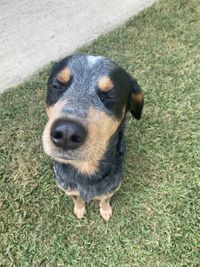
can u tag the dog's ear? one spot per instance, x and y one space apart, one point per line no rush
136 99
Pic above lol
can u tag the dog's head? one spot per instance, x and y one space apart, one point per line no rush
87 100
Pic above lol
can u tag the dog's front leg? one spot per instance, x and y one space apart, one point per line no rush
105 208
79 206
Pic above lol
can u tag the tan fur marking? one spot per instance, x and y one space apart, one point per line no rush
105 84
105 209
138 98
64 75
79 207
72 192
49 110
53 113
86 167
79 204
100 128
104 204
55 110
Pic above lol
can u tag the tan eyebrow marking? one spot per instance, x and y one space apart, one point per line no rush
64 75
105 84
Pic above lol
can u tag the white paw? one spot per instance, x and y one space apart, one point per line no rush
79 212
106 213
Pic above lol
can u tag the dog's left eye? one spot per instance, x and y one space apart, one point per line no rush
107 96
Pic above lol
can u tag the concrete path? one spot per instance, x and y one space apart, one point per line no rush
33 33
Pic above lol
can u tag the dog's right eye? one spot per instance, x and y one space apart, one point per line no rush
58 85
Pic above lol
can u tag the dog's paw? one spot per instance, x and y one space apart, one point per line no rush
79 212
106 213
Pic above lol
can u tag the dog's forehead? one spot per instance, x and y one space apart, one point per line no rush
87 61
90 68
92 60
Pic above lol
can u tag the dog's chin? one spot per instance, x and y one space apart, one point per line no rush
65 157
77 158
78 155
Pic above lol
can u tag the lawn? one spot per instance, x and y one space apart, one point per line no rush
156 220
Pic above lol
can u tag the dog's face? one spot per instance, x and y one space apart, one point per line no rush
87 100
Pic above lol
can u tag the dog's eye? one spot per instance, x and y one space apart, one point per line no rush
102 97
58 86
107 96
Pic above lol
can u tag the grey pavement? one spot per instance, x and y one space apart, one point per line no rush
33 33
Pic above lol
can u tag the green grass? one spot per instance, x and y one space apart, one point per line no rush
157 210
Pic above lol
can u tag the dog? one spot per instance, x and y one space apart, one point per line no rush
87 102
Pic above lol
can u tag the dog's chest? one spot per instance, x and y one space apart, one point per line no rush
89 187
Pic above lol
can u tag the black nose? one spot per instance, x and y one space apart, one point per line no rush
68 134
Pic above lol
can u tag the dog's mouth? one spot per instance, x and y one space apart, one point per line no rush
63 155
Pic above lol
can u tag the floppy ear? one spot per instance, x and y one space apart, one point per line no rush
136 99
